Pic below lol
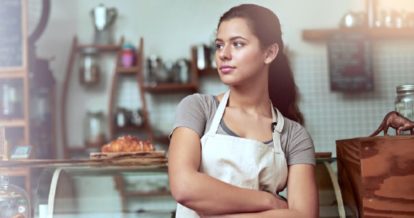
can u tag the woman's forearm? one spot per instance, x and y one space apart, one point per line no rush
285 213
209 196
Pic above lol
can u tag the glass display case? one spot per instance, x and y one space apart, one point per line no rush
133 187
75 188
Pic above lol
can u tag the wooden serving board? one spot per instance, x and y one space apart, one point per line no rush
130 158
128 155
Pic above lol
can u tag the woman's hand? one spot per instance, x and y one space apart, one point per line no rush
302 197
277 203
280 203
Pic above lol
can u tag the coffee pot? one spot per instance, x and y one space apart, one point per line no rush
103 19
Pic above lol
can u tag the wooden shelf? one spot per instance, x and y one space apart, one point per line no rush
128 70
111 47
12 74
170 87
373 33
13 123
147 194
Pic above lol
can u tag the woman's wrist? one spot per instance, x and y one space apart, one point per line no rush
275 202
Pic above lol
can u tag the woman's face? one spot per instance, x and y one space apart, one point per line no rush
239 55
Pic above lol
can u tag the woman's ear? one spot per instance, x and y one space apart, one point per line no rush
271 53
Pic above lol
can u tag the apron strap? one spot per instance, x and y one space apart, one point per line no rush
277 118
277 127
219 113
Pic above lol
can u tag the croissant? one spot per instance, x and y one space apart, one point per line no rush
128 144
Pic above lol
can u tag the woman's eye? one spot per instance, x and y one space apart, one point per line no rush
238 44
219 46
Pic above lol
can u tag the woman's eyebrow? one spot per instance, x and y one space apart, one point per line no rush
232 39
237 37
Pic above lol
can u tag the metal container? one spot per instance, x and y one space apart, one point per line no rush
103 20
404 102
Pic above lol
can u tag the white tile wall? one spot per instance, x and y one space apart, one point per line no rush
332 115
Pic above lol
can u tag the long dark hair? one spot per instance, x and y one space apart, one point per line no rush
266 26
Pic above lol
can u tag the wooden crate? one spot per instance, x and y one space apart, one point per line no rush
376 175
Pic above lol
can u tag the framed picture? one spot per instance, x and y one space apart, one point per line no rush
350 64
21 152
13 23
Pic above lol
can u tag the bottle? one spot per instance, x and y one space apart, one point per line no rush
14 201
404 102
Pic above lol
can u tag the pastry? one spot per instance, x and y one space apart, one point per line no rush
128 144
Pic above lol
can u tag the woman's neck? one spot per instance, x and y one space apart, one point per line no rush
252 98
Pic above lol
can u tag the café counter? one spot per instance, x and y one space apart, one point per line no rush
96 188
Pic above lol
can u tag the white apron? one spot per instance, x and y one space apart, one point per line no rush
242 162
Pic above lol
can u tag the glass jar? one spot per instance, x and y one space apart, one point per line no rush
10 99
89 69
94 129
14 201
404 102
128 55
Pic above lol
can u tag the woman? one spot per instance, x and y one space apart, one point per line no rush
231 154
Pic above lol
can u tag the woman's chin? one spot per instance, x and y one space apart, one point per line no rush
229 82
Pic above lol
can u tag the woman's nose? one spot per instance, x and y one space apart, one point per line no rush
225 53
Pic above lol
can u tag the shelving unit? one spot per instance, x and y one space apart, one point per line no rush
14 73
373 33
165 88
76 49
137 72
134 73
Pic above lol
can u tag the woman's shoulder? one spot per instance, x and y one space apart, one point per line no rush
198 102
294 128
198 99
299 143
194 111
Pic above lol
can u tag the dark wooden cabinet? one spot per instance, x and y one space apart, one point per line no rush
376 175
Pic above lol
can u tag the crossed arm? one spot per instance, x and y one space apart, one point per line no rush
210 197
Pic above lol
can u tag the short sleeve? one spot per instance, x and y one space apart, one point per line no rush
190 113
300 146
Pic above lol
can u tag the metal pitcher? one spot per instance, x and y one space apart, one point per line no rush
103 19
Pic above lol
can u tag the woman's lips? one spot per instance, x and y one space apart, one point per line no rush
226 69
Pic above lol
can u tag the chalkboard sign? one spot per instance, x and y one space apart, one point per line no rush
350 63
11 34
